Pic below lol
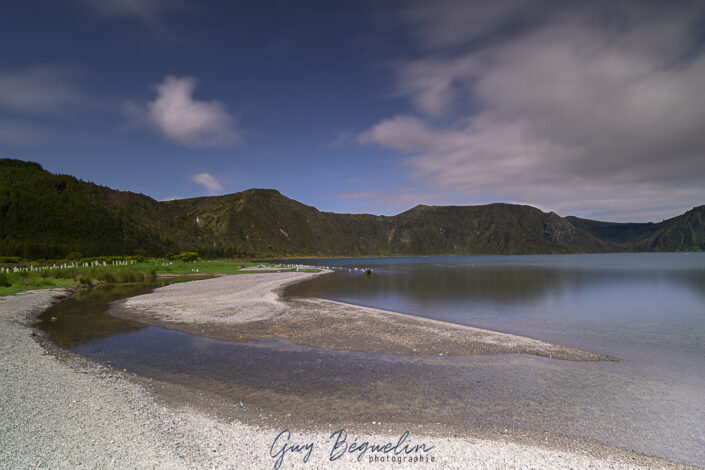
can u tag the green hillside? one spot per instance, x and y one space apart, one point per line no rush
685 232
48 216
43 215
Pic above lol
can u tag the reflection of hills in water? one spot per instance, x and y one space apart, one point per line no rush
498 285
639 307
81 318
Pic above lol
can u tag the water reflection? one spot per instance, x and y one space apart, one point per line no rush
608 402
504 282
626 305
81 318
648 309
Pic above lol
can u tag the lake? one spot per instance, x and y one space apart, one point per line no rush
648 309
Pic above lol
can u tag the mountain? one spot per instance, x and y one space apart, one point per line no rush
48 216
44 215
685 232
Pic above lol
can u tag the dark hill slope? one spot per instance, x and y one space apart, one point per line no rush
622 234
685 232
264 222
43 215
493 228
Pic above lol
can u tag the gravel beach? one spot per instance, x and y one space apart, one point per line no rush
60 410
251 307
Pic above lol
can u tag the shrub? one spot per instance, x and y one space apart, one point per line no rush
185 256
5 280
126 276
107 277
139 256
74 256
71 273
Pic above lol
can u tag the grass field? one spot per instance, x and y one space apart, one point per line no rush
14 279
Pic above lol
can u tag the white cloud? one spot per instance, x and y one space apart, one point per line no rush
597 109
208 181
188 121
403 133
40 90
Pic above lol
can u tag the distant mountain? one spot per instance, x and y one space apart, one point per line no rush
43 215
685 232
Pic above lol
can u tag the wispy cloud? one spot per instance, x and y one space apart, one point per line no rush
597 108
188 121
143 9
40 90
150 13
344 138
208 181
17 133
395 199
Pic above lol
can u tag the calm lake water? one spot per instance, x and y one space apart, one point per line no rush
648 309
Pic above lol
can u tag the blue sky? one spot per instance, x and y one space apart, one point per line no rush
587 108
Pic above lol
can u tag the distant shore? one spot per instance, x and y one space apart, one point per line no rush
251 307
61 410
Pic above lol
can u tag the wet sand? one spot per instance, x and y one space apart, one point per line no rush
247 307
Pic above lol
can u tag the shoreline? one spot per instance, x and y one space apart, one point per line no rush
63 410
237 307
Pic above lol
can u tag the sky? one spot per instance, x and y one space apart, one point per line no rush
594 109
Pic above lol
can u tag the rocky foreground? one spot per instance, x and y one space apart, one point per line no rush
60 410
